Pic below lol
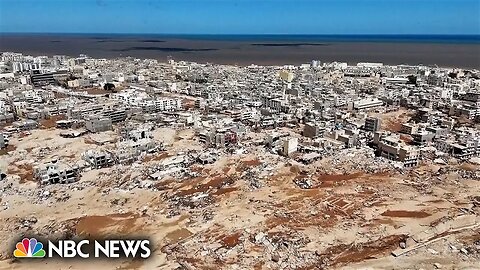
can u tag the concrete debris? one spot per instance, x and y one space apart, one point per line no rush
260 237
304 183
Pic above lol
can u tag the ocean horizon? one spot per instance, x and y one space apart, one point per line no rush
420 38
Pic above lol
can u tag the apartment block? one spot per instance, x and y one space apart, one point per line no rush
391 147
372 124
313 130
97 123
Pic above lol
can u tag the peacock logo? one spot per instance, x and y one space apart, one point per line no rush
29 248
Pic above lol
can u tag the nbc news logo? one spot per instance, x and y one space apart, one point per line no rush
32 248
29 248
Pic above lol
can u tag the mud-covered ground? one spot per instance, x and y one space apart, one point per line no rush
245 211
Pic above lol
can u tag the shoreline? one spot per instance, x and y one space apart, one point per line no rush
245 52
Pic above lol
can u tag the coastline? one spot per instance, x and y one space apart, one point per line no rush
444 51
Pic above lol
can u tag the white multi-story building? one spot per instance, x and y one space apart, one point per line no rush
23 66
32 96
3 107
367 103
289 146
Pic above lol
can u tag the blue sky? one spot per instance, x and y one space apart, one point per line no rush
242 16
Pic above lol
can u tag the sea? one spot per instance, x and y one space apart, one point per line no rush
456 51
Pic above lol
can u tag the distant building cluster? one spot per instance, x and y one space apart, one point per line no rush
402 113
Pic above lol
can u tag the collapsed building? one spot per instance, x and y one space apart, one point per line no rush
129 151
56 173
98 159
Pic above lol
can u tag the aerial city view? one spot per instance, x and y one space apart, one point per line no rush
218 134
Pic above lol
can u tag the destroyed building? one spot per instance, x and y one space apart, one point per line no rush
98 159
56 173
